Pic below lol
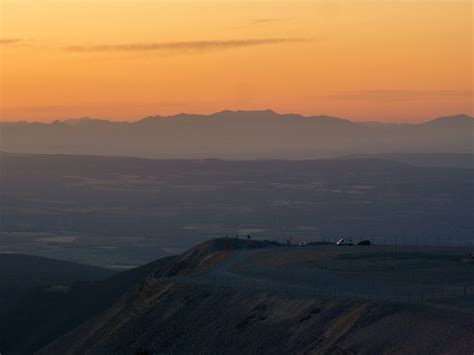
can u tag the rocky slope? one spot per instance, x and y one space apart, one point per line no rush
167 313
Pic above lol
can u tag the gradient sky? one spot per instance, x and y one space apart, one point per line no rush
363 60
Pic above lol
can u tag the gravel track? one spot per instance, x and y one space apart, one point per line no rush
255 269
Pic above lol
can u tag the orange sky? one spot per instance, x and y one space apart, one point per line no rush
393 60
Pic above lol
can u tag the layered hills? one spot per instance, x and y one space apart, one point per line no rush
238 135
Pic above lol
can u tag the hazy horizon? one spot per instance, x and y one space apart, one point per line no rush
377 60
239 135
420 120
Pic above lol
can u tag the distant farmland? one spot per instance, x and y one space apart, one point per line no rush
122 212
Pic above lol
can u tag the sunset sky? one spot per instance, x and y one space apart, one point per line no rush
381 60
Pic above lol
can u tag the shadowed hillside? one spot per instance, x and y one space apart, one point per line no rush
161 307
24 271
168 318
44 309
168 314
21 273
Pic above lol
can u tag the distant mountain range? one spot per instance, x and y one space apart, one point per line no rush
239 135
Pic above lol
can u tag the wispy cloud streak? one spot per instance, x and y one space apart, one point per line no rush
397 95
268 20
10 41
185 46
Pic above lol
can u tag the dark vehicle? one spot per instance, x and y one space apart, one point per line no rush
364 242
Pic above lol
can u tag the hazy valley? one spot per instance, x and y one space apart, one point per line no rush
123 212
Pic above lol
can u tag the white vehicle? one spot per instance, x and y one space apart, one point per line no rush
303 244
344 241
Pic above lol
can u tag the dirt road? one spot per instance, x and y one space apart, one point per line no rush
378 273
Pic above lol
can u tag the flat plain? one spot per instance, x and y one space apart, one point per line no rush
122 212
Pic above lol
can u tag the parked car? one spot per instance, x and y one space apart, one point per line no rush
344 242
364 242
303 244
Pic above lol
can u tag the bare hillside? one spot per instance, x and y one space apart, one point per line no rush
168 313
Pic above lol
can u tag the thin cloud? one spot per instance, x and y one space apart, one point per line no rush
185 46
397 95
268 20
11 41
